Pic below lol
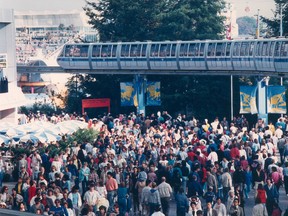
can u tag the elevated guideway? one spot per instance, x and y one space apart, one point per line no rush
258 57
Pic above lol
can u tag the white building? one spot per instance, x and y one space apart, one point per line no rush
13 98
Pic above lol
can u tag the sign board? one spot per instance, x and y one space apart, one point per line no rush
96 103
3 60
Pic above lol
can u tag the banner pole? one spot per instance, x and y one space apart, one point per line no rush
231 92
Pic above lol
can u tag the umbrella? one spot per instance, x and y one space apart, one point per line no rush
26 138
4 139
47 137
11 132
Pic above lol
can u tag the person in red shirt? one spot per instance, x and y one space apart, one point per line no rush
234 152
261 193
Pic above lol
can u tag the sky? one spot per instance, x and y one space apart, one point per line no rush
265 6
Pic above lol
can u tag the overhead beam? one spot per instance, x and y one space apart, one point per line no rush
57 69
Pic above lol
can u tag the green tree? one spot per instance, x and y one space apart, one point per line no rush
140 20
247 25
273 24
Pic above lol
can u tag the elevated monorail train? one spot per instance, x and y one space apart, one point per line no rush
265 55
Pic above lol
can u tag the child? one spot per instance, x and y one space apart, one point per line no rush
210 196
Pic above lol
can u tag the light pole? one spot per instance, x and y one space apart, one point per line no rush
281 20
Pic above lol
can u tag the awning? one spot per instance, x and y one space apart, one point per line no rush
14 98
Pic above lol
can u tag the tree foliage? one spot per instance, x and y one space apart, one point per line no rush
247 25
140 20
273 24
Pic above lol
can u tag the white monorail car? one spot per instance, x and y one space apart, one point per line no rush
264 55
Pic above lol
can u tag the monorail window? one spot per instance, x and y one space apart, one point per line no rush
114 50
265 46
125 50
220 49
106 51
251 49
165 50
236 49
244 50
202 47
143 50
84 50
277 48
96 51
258 49
193 50
183 49
211 49
271 48
173 50
284 49
228 49
135 50
154 50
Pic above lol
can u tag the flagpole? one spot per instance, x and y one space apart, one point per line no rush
231 92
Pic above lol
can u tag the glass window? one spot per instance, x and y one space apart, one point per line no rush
135 50
84 50
258 49
251 49
211 49
125 50
228 49
106 51
244 49
284 49
192 50
154 50
202 47
165 50
236 49
271 48
277 48
265 49
183 49
114 50
173 50
220 47
143 50
96 51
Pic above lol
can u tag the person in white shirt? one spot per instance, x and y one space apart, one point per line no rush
158 211
165 192
212 156
259 209
220 207
91 197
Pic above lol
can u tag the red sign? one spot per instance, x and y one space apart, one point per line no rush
96 103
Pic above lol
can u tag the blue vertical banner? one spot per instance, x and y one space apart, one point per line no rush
153 94
248 99
128 94
276 99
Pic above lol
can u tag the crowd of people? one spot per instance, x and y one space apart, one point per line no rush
141 165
